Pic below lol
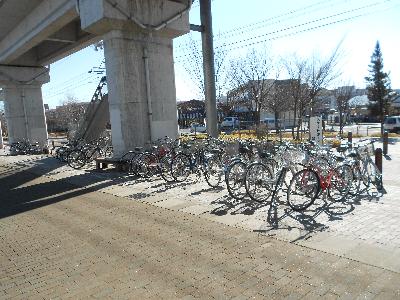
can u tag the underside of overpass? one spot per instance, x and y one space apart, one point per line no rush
137 37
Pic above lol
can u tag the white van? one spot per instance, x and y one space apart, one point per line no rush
392 124
230 122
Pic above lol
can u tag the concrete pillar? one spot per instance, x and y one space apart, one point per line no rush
138 51
24 112
23 103
142 102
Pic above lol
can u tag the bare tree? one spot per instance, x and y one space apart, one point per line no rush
343 95
297 71
279 100
309 76
193 65
249 80
320 73
70 113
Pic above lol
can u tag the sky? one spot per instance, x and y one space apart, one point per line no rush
280 29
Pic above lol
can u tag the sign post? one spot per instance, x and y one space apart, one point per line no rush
316 133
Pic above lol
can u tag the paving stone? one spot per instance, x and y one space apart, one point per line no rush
65 233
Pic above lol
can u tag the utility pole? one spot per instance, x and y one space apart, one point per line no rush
208 67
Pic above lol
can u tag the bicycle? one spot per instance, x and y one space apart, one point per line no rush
235 170
196 159
370 173
262 176
307 184
80 156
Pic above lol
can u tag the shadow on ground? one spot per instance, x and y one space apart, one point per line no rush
24 185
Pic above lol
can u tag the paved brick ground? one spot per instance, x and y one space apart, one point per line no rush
74 235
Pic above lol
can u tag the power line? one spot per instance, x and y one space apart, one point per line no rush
72 86
308 29
297 26
307 23
66 86
71 82
75 87
241 29
71 79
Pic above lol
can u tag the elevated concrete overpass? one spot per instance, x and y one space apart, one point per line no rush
138 51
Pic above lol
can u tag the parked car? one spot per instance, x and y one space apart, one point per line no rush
197 127
392 124
230 122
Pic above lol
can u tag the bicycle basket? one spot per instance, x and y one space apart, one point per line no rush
366 150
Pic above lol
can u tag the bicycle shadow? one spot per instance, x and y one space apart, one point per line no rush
224 205
227 204
207 190
315 219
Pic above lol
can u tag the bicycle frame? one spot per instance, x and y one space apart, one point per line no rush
325 181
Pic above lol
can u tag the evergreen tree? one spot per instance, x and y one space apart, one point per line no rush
380 93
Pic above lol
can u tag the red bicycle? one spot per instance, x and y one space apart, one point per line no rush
307 184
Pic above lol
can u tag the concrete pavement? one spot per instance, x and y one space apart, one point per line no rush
74 234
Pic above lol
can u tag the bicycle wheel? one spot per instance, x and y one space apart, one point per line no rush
76 159
165 169
147 165
235 178
214 171
374 175
128 159
65 153
356 182
303 190
340 183
180 167
258 182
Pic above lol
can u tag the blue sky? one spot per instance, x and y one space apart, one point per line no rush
282 28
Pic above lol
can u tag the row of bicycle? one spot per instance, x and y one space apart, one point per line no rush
253 170
306 172
25 146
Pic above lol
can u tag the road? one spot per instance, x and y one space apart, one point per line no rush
361 129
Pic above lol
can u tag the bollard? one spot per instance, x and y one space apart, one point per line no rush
385 142
350 137
378 158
